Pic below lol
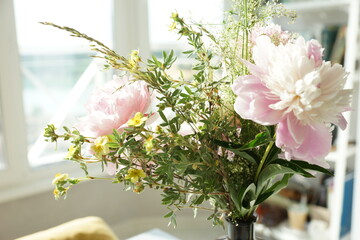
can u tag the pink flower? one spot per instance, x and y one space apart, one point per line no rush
113 104
315 51
273 31
291 86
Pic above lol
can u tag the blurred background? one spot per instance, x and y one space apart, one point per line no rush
46 77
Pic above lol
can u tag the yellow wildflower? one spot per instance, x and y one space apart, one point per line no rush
100 146
158 129
174 15
59 177
134 59
137 120
56 193
135 174
149 145
72 152
172 26
134 56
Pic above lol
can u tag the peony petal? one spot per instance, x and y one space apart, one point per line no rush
284 137
342 123
253 101
262 52
254 69
242 106
315 146
315 52
296 130
262 113
249 83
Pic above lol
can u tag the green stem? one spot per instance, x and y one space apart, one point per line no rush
245 37
263 159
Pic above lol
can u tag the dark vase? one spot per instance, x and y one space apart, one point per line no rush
241 230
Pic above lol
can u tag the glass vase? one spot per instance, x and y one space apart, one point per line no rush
241 230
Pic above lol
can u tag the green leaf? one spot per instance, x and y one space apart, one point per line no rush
181 168
169 214
162 115
66 129
293 166
276 187
260 139
76 132
173 220
164 55
188 90
271 171
273 154
83 166
188 52
306 165
251 189
247 155
271 130
198 200
116 135
185 98
238 196
113 144
175 93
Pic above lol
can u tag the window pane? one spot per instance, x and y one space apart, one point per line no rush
57 71
162 39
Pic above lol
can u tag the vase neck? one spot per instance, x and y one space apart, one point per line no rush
241 230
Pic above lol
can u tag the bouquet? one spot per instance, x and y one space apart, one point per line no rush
259 108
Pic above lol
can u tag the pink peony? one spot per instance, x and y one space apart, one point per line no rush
291 86
112 105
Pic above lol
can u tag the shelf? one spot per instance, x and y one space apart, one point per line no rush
311 6
334 155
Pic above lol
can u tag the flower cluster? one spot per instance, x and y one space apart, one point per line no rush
232 135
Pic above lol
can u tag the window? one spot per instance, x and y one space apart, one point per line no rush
57 72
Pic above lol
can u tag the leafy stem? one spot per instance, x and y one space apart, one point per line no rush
263 160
